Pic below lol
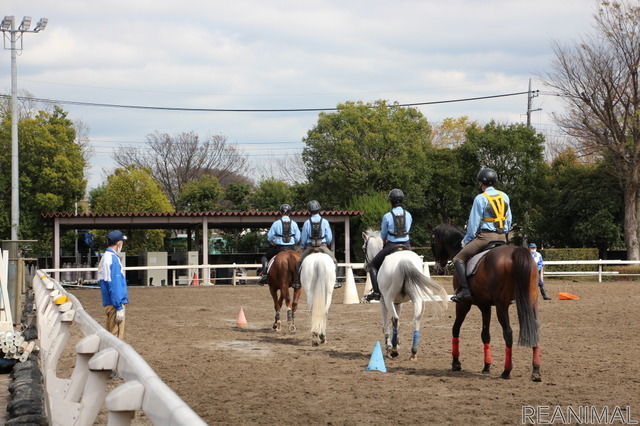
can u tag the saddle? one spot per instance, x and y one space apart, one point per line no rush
274 258
472 264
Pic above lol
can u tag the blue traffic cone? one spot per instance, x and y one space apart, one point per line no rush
377 360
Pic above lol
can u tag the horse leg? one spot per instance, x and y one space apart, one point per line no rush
393 352
462 309
294 308
502 311
417 316
287 298
385 327
535 373
486 337
277 304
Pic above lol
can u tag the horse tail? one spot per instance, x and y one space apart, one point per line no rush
526 291
320 285
418 285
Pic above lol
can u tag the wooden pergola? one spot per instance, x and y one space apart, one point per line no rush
199 222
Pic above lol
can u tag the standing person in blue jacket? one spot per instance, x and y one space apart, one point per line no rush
537 257
395 233
489 220
316 234
284 234
113 284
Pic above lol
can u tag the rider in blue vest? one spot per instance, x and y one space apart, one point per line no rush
316 236
489 220
284 234
395 235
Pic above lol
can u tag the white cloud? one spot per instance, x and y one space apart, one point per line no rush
251 54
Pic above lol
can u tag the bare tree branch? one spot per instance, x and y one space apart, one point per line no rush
175 160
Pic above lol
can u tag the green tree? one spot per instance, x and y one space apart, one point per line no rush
51 173
366 148
236 194
583 206
200 195
515 152
597 77
134 190
270 195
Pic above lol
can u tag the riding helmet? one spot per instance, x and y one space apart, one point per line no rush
488 176
396 196
285 209
313 206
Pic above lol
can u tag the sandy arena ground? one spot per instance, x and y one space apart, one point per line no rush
232 374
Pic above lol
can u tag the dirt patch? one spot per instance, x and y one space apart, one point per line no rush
250 374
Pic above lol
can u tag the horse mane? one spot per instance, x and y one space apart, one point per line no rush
449 234
372 233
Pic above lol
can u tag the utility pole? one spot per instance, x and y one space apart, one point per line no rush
530 95
9 30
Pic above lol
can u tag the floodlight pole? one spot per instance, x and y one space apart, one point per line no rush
9 26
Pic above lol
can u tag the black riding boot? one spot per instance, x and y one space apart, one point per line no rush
375 294
544 293
296 280
264 276
463 292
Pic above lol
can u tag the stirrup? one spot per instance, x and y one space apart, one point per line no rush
462 296
372 296
263 279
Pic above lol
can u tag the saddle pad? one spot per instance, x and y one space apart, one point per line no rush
270 263
472 264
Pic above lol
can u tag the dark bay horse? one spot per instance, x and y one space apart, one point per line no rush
281 275
505 273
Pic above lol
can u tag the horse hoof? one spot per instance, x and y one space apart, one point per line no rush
536 378
292 328
414 357
393 354
315 343
486 369
506 375
323 338
456 366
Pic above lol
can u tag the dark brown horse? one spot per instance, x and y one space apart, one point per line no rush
281 275
505 273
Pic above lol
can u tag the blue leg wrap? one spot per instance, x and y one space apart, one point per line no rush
416 335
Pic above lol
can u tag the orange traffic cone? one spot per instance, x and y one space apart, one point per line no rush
194 280
567 296
241 319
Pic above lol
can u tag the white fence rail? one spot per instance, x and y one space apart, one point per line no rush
79 399
239 270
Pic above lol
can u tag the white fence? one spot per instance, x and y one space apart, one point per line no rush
239 274
79 399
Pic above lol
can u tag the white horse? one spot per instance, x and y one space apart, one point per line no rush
317 276
400 280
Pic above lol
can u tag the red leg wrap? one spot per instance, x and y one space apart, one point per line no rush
487 353
507 358
455 347
537 361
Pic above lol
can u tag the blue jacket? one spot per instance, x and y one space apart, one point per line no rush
113 284
275 232
388 225
479 211
538 259
327 236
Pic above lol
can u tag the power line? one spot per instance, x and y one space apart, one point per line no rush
147 107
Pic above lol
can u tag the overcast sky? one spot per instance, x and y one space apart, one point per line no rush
283 54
